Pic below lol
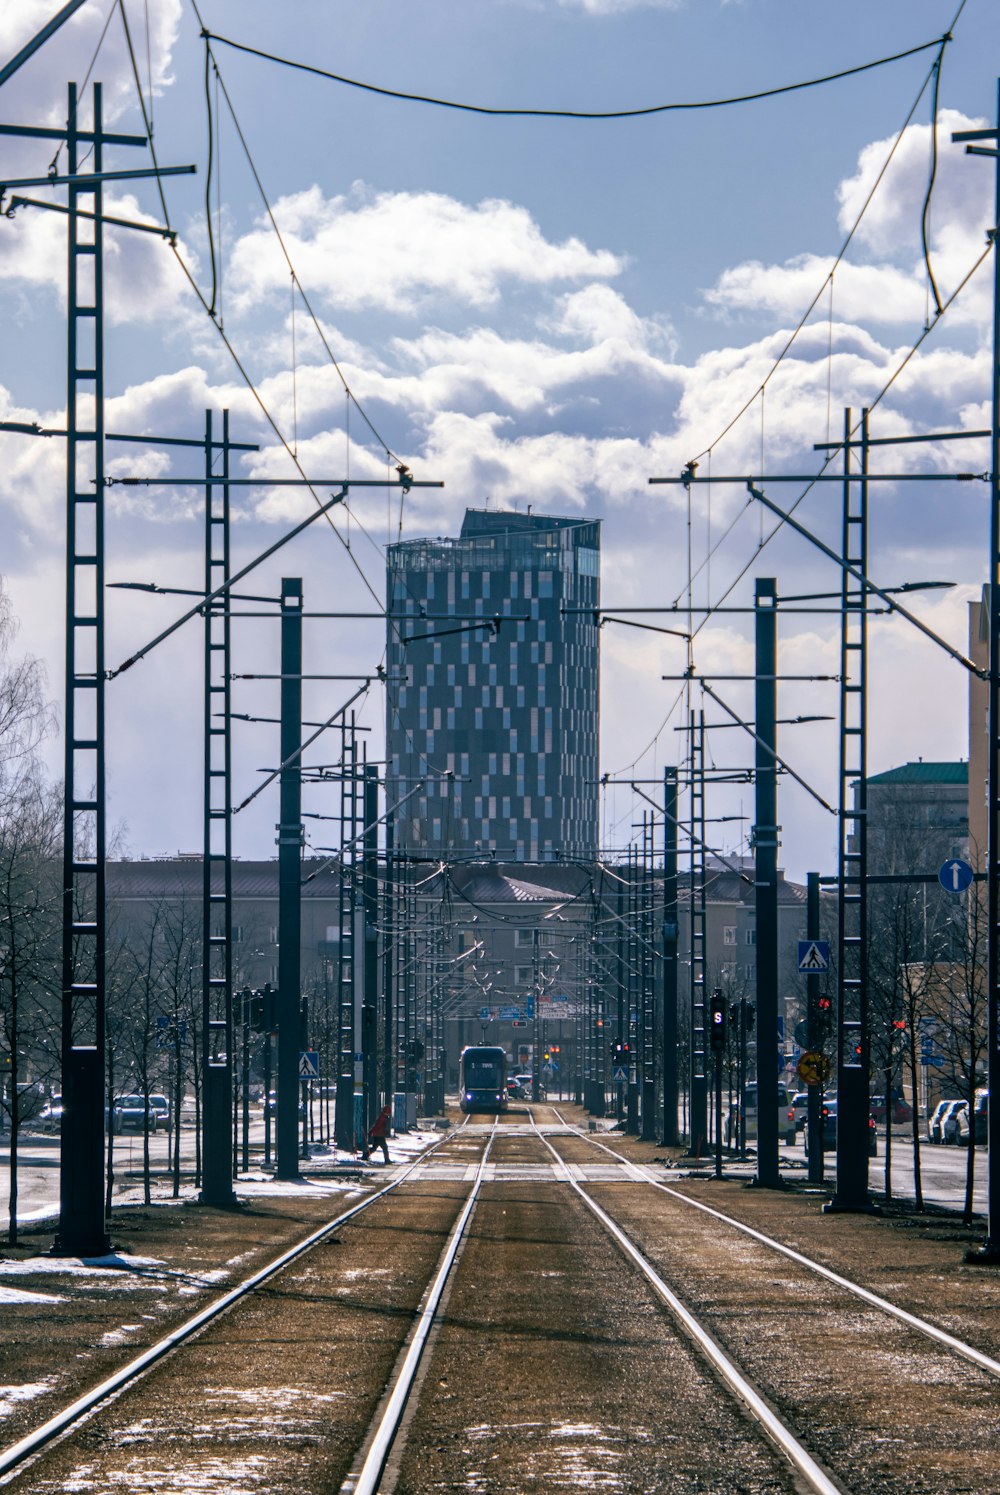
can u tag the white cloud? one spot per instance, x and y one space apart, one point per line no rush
37 92
399 250
883 278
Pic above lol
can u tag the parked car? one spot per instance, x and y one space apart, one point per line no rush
981 1118
131 1111
800 1105
828 1117
934 1120
955 1123
901 1111
51 1113
786 1117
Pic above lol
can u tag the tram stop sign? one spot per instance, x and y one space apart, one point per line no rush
813 1068
955 876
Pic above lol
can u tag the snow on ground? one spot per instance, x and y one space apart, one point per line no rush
20 1295
11 1395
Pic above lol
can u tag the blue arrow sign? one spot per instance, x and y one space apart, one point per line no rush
955 876
814 957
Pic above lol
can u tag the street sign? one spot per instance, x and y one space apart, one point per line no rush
508 1014
485 1014
802 1033
937 1060
955 876
308 1064
814 957
813 1068
619 1075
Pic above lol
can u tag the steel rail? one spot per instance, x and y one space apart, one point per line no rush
784 1439
62 1422
641 1173
366 1482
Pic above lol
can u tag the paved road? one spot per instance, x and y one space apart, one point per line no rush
942 1171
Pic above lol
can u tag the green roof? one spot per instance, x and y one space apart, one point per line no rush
923 773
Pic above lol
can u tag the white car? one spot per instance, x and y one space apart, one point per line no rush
786 1117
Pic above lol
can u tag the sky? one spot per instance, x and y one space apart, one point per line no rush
529 311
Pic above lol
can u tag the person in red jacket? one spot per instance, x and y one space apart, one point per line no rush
377 1133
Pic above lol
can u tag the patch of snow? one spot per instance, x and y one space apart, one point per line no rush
117 1336
75 1266
21 1295
263 1187
11 1395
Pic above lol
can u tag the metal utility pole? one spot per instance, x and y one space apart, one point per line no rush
698 1073
369 900
289 881
217 865
766 878
817 1037
852 871
82 1224
634 989
991 1250
347 977
390 1035
648 994
669 1136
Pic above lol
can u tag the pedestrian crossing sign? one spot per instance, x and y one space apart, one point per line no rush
308 1064
814 957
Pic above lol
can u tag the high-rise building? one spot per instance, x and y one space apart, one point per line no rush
492 668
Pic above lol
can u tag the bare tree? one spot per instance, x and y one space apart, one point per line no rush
30 894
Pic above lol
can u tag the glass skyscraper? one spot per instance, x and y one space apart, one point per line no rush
492 666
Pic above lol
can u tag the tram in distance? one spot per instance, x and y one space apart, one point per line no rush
483 1079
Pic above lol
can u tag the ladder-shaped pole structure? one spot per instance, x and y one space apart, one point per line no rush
648 1112
669 930
852 867
347 973
697 877
217 862
82 1221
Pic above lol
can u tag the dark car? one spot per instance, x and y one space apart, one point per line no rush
131 1111
829 1122
901 1111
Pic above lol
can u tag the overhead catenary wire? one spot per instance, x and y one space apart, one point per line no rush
251 386
577 114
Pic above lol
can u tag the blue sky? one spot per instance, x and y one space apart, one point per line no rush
538 311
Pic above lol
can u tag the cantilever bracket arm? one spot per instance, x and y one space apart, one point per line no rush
200 607
864 582
297 754
767 748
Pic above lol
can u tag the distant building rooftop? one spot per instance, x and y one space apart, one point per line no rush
923 773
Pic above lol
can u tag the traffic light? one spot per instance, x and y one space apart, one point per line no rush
718 1024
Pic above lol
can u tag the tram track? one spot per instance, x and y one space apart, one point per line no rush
641 1173
845 1367
14 1458
499 1323
815 1478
